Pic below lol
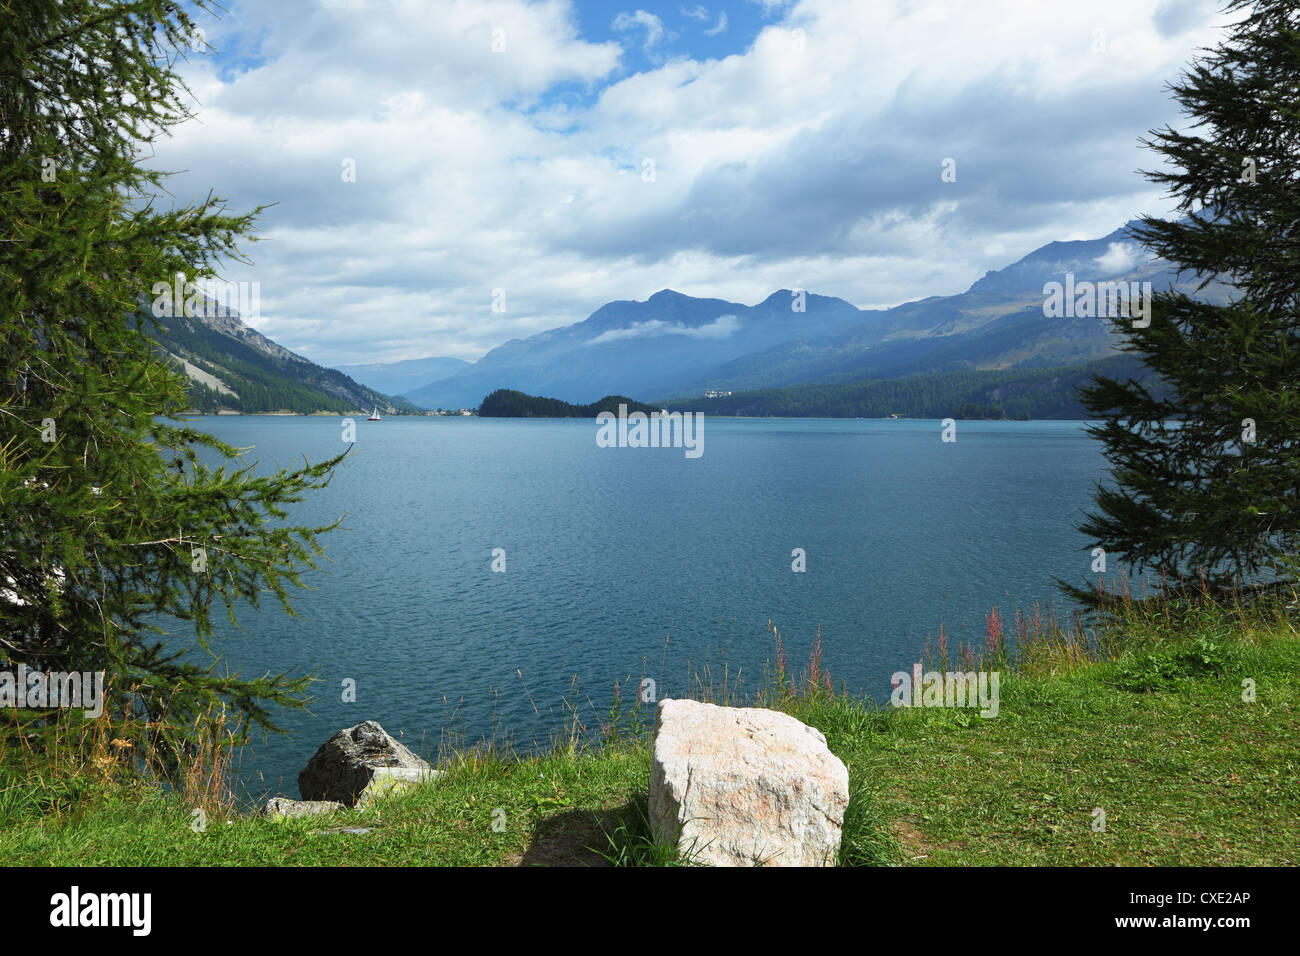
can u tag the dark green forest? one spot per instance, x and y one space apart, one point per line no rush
1050 393
273 395
508 403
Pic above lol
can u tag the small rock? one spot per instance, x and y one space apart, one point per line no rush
284 807
358 831
361 763
745 786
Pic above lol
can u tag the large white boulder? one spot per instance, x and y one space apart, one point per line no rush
745 786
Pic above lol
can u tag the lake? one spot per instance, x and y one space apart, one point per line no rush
630 562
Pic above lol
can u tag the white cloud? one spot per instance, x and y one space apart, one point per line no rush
724 326
702 14
774 168
653 26
1119 258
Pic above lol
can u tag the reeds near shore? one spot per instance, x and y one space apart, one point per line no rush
50 759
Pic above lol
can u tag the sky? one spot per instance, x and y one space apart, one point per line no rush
447 175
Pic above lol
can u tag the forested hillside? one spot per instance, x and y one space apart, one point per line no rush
508 403
257 374
1014 393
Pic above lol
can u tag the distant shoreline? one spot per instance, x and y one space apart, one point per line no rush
573 418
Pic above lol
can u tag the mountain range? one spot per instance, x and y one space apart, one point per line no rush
398 378
675 346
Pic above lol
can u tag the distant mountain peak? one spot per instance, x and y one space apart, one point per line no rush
1103 258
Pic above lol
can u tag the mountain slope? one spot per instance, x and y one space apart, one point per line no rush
1038 393
235 368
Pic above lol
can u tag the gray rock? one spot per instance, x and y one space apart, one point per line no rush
284 807
745 786
361 763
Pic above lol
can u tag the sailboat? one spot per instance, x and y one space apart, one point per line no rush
374 416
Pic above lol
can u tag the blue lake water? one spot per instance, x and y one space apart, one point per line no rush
624 562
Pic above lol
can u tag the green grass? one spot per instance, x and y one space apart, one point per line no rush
1187 776
1156 734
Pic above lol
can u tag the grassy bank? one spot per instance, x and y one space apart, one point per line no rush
1143 719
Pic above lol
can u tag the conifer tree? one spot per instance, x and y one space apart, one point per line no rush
116 513
1206 476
